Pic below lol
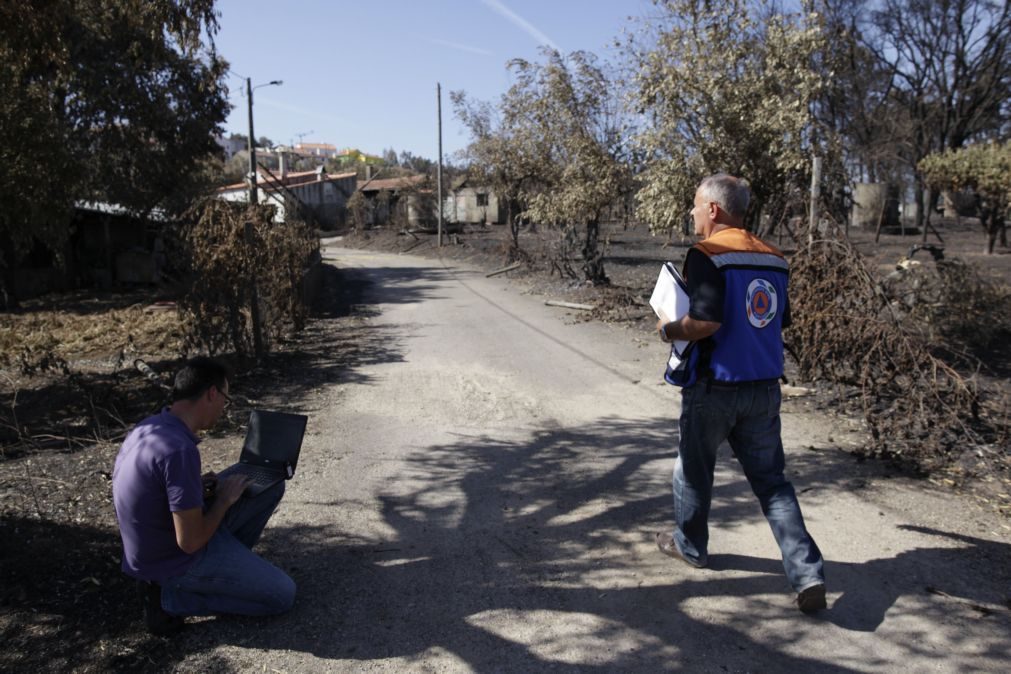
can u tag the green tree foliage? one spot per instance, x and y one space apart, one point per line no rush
985 168
583 146
499 156
112 100
559 149
725 87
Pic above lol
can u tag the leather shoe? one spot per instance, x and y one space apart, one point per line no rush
665 542
158 621
812 599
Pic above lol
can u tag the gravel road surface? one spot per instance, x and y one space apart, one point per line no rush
479 492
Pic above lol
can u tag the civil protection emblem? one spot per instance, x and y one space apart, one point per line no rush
762 303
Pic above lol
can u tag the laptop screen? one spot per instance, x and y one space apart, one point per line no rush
273 438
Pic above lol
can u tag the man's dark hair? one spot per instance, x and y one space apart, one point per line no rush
197 375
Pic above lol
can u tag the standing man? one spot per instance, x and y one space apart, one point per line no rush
737 285
187 539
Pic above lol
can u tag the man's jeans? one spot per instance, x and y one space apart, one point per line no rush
229 577
748 416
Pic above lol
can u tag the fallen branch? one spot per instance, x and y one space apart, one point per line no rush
986 609
515 265
569 305
412 247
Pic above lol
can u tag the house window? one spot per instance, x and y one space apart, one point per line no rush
482 199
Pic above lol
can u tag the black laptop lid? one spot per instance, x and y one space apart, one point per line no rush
273 439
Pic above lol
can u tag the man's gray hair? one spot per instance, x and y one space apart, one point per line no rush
729 193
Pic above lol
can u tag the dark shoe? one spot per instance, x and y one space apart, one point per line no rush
812 599
158 622
667 546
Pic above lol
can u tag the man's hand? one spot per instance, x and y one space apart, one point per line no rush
210 483
661 325
687 328
230 489
194 527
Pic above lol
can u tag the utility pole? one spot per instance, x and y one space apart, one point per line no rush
252 145
815 196
438 179
249 234
252 139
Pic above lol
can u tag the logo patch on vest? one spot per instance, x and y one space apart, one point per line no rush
762 303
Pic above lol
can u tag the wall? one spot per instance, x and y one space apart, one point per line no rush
461 206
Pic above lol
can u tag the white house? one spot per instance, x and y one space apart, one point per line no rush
316 196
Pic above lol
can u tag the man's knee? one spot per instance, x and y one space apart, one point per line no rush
282 595
271 495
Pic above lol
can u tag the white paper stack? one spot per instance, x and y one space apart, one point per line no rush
670 302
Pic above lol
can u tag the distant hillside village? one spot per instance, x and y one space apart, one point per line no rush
317 182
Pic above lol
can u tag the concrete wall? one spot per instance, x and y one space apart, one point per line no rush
873 202
462 206
327 199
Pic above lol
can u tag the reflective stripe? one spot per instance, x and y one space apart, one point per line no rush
739 259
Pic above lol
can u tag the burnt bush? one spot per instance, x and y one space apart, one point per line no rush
243 286
965 317
920 410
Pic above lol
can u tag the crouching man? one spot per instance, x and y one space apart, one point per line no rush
188 538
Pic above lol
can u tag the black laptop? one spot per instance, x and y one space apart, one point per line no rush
270 450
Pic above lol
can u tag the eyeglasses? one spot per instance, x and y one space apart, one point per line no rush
228 399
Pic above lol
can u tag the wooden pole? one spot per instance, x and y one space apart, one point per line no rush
815 196
254 302
438 179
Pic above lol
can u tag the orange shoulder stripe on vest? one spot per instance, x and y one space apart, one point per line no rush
735 240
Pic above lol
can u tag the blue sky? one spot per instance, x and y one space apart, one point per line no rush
363 74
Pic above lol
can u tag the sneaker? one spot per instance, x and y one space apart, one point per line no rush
665 542
812 599
158 621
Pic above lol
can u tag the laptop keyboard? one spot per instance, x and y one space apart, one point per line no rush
259 474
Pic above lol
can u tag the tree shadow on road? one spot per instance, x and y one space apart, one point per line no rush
520 555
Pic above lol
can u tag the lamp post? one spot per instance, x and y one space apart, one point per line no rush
252 139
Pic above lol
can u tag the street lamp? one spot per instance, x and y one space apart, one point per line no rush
252 139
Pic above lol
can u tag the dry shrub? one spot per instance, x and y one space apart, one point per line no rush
920 411
236 253
953 307
47 338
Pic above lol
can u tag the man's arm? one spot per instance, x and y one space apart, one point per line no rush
705 288
194 527
687 328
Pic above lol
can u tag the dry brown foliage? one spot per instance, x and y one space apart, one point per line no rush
920 411
950 305
44 338
237 256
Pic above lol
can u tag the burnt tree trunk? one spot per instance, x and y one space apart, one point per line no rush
593 258
514 230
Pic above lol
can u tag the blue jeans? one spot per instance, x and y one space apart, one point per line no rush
747 415
229 577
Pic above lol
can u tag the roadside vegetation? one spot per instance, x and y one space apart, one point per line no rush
118 102
892 92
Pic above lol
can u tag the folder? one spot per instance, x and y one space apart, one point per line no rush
670 301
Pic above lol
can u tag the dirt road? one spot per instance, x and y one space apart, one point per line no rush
480 493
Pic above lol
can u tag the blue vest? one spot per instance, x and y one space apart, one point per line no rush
749 343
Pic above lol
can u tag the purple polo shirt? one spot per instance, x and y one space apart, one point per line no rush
157 473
